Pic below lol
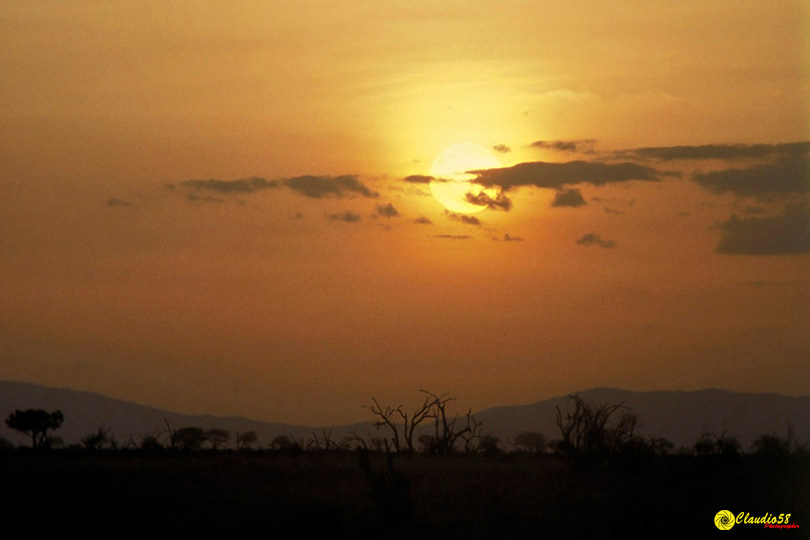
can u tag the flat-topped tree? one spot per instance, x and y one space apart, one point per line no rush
35 423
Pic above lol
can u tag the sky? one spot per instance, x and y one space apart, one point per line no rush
228 208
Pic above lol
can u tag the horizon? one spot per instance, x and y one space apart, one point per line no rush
284 211
455 399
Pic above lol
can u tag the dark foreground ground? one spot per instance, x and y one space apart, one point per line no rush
327 495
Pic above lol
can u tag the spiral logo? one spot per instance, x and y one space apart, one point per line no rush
724 520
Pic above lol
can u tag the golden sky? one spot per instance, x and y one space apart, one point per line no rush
228 208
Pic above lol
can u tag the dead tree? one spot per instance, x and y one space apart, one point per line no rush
584 431
393 419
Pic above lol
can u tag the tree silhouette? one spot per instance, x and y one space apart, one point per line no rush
247 439
530 441
446 434
216 437
585 430
35 423
188 438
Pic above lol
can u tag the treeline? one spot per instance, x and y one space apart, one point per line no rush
586 430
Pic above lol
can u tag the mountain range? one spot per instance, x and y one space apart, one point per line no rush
682 417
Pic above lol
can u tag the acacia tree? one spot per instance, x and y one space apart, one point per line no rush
216 437
35 423
188 438
245 440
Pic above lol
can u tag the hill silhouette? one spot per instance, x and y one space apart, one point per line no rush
681 417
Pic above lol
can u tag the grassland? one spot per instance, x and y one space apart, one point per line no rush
326 495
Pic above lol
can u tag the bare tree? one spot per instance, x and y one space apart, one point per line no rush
97 440
584 430
446 434
393 419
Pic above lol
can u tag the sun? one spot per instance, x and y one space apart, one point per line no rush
450 171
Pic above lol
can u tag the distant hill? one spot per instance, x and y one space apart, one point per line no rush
681 417
85 412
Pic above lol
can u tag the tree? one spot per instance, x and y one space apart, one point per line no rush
188 438
722 445
247 439
216 437
446 435
97 440
530 441
36 424
586 430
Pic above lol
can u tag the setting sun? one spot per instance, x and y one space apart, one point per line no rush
452 176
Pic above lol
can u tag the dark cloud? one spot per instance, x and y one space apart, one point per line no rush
119 203
609 210
784 234
386 210
318 187
346 216
244 185
502 148
784 177
721 151
593 239
422 220
418 179
584 145
500 202
453 236
568 197
557 175
464 218
508 238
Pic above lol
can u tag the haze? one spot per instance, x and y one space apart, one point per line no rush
224 208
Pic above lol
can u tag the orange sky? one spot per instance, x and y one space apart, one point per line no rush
220 208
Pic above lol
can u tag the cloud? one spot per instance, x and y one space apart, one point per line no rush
119 203
453 236
418 179
508 238
721 151
784 234
593 239
204 198
569 197
422 220
464 218
500 202
244 185
609 210
318 187
584 145
556 175
501 148
386 211
785 177
346 216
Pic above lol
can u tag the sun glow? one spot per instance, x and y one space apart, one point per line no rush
452 177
